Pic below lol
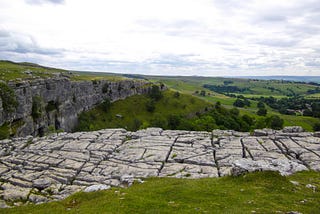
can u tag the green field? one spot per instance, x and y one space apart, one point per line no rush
190 85
259 192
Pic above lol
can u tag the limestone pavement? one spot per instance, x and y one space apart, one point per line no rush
53 167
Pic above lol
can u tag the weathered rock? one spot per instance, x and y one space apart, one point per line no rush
53 167
292 129
263 132
96 187
284 166
41 183
316 134
61 100
38 199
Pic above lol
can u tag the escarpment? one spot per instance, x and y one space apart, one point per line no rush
54 103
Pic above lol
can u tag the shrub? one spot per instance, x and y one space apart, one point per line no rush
176 94
150 106
239 103
4 131
316 127
105 88
262 112
9 102
51 106
105 105
37 107
155 93
275 122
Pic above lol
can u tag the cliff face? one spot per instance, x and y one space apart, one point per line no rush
56 102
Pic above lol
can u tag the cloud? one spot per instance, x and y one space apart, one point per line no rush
35 2
23 44
204 37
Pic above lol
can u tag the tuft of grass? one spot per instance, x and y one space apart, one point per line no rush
259 192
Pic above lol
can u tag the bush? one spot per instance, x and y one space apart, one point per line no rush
37 107
52 105
4 131
9 102
275 122
173 121
155 93
158 121
239 103
262 112
176 94
150 106
316 127
105 88
260 105
105 105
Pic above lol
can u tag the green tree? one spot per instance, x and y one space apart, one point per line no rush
150 105
105 105
173 121
159 121
274 122
205 123
260 104
239 103
155 93
262 112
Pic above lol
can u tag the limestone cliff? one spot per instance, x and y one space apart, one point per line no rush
56 102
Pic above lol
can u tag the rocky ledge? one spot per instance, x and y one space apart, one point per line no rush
53 167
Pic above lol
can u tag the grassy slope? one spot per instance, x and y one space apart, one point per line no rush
263 192
10 71
189 85
13 71
135 108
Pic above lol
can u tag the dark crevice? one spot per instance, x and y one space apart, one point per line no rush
281 149
168 155
213 144
244 155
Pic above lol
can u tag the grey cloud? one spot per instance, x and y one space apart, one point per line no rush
44 1
278 42
23 44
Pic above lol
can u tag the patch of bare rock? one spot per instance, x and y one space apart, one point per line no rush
38 170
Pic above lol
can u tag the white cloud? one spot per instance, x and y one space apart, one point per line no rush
203 37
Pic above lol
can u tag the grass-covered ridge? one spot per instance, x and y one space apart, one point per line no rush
140 111
14 71
260 192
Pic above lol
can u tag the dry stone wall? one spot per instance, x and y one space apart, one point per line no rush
53 167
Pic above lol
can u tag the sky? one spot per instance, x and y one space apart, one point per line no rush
165 37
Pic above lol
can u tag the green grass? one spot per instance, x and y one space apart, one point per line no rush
134 112
15 71
262 192
259 88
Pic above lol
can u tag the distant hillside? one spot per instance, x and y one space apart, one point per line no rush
287 78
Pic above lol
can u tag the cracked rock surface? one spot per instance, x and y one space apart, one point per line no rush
53 167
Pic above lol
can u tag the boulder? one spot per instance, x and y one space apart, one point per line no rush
41 183
96 187
292 129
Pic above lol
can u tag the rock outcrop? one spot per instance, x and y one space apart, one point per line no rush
56 102
53 167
